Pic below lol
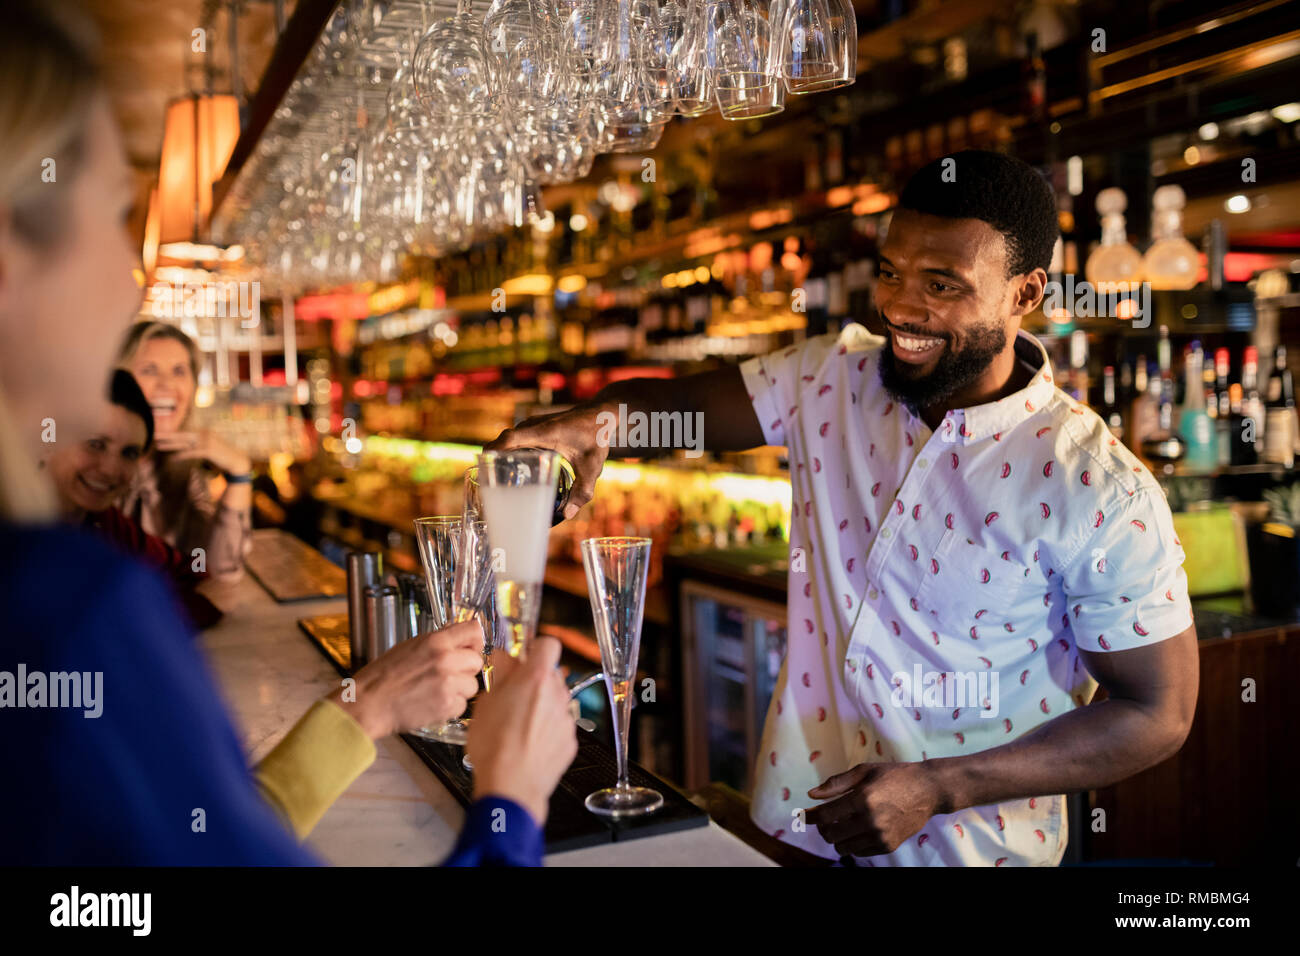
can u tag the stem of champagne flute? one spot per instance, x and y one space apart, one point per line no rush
623 723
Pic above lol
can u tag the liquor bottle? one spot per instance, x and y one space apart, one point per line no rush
1165 361
1222 401
1144 415
1110 412
817 294
1222 362
1280 414
1115 264
1079 365
1162 446
1171 262
1251 433
812 169
834 174
1194 424
1241 443
1034 82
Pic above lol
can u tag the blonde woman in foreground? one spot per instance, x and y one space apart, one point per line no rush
113 774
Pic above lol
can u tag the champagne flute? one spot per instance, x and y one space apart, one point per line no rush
518 489
472 511
457 564
616 577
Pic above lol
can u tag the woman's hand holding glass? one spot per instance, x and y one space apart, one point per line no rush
522 737
421 682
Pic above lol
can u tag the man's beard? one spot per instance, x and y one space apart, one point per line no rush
953 371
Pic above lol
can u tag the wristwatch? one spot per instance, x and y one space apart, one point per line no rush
244 479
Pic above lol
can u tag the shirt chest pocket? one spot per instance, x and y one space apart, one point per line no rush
970 587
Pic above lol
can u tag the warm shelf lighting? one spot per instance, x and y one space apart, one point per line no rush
1286 113
870 205
535 283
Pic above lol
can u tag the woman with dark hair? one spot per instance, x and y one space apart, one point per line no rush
90 476
171 497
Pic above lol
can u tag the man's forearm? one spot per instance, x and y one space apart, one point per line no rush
717 403
1090 747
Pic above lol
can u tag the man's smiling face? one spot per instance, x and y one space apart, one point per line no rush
948 306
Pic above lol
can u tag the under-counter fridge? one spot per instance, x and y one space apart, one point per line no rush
730 608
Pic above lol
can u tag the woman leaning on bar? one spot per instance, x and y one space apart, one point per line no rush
170 497
144 767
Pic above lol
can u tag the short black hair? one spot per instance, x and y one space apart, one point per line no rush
1007 193
124 391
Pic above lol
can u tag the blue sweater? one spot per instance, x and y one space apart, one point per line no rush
145 767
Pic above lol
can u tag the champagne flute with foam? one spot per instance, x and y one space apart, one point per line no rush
518 494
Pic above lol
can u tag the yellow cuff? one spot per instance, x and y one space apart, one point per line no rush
311 767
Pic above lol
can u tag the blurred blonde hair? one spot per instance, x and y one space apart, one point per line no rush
48 80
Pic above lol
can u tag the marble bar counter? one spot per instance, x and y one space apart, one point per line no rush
397 813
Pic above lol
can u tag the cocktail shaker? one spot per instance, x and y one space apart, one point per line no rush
382 628
363 569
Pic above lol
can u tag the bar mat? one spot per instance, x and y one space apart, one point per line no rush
291 569
569 824
329 632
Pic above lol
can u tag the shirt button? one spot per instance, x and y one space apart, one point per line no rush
922 462
886 533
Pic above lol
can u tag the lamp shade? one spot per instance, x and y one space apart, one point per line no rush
149 253
198 137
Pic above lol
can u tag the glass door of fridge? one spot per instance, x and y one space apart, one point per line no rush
733 648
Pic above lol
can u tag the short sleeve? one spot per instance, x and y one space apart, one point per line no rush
1126 588
775 380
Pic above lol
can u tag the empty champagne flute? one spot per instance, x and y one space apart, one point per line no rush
457 565
616 578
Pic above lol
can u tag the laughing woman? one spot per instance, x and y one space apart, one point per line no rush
170 497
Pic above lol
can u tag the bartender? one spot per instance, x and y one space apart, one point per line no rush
972 552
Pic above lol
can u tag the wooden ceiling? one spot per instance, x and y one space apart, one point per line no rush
148 60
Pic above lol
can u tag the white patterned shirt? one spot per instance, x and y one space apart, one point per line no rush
942 583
